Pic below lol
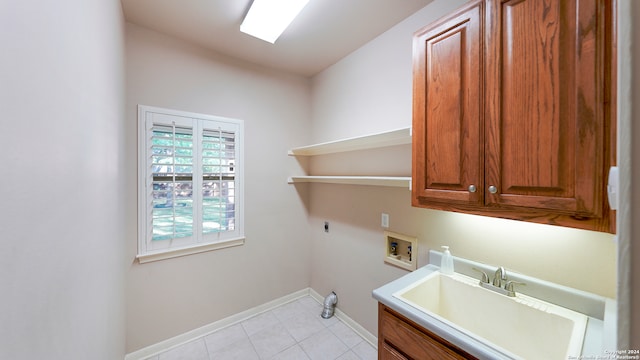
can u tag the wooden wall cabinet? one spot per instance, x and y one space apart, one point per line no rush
400 338
513 112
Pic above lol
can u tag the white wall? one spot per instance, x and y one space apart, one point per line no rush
169 297
62 180
370 91
632 252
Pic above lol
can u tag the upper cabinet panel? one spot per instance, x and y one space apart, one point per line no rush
545 114
447 156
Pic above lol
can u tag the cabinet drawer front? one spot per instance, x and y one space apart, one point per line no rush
414 343
389 353
446 111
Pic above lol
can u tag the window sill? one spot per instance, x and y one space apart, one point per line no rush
172 253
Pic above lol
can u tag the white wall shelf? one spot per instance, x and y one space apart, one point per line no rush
393 181
378 140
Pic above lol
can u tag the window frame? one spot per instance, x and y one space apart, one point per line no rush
153 250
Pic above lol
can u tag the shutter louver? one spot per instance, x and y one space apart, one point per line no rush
218 180
172 172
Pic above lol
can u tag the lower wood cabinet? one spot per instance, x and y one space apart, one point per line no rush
400 338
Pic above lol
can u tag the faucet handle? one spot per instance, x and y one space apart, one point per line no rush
509 285
485 277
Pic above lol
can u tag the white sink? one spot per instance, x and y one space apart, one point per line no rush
521 327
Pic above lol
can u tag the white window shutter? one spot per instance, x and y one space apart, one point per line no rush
190 179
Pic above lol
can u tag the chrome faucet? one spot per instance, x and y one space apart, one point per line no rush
500 284
500 277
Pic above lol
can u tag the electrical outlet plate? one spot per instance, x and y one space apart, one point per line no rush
385 221
402 259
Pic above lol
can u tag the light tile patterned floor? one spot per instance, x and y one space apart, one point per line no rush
294 331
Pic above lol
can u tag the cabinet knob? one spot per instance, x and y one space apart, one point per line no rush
472 188
493 189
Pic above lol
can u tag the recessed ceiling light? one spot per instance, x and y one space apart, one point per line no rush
267 19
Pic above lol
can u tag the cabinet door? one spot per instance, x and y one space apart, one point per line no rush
545 101
447 151
399 338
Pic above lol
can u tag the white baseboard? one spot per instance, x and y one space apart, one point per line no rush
189 336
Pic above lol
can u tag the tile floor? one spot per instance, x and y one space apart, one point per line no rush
293 331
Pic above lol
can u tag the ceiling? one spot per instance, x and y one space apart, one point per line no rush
323 33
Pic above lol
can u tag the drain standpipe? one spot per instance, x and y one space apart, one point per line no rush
329 305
